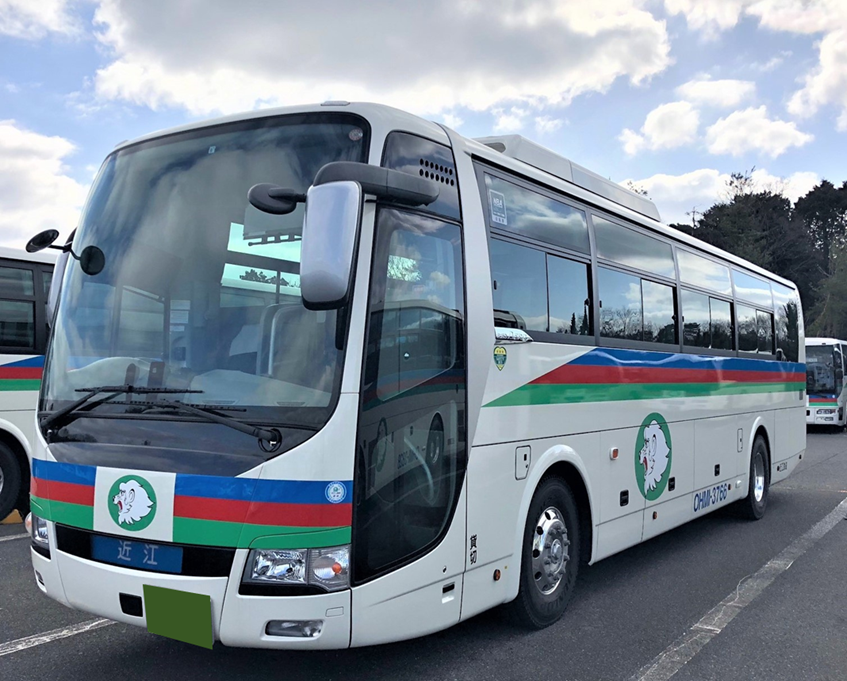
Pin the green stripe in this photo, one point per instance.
(75, 515)
(221, 533)
(19, 384)
(619, 392)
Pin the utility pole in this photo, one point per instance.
(694, 213)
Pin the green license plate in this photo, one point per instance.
(179, 615)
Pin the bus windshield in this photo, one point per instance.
(200, 291)
(820, 369)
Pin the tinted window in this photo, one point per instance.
(628, 247)
(46, 278)
(620, 304)
(16, 282)
(659, 322)
(721, 327)
(695, 320)
(765, 331)
(787, 321)
(752, 289)
(534, 215)
(17, 324)
(568, 296)
(411, 436)
(748, 335)
(520, 286)
(703, 272)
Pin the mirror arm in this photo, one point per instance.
(384, 183)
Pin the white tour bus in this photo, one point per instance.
(334, 375)
(24, 285)
(825, 389)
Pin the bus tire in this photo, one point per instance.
(10, 481)
(549, 556)
(754, 506)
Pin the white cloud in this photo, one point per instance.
(35, 191)
(718, 93)
(676, 195)
(752, 130)
(665, 127)
(452, 120)
(544, 125)
(33, 19)
(427, 58)
(827, 84)
(509, 121)
(710, 16)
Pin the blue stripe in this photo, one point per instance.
(665, 360)
(63, 472)
(37, 361)
(248, 489)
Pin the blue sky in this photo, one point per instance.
(671, 94)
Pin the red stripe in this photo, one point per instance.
(63, 491)
(830, 400)
(21, 372)
(570, 373)
(263, 513)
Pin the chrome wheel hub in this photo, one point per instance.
(550, 553)
(1, 482)
(758, 479)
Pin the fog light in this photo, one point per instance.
(294, 628)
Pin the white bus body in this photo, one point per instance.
(631, 384)
(24, 284)
(826, 393)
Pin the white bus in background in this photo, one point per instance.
(24, 285)
(414, 377)
(825, 389)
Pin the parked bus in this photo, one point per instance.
(333, 376)
(24, 284)
(825, 393)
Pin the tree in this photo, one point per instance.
(824, 212)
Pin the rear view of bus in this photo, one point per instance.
(825, 389)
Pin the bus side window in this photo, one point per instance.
(17, 309)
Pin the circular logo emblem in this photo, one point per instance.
(500, 357)
(335, 492)
(132, 503)
(653, 454)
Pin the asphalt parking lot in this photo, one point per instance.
(718, 598)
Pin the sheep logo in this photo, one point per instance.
(132, 503)
(653, 456)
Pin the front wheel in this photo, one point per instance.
(550, 556)
(753, 507)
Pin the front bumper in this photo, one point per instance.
(817, 416)
(237, 620)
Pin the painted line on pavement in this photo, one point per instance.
(48, 636)
(14, 536)
(682, 651)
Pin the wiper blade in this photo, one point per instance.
(115, 390)
(269, 438)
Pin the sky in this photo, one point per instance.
(672, 95)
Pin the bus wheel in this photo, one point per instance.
(10, 481)
(753, 507)
(550, 556)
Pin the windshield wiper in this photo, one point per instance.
(115, 390)
(269, 438)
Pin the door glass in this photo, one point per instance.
(411, 426)
(520, 286)
(568, 295)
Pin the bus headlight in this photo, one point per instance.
(326, 568)
(37, 529)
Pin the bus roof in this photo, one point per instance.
(511, 152)
(47, 257)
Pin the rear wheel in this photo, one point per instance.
(753, 507)
(10, 481)
(549, 557)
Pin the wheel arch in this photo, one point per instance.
(760, 427)
(14, 439)
(563, 462)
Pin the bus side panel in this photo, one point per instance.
(498, 501)
(719, 450)
(673, 508)
(788, 443)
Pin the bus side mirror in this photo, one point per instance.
(330, 233)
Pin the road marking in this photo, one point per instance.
(14, 536)
(682, 651)
(48, 636)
